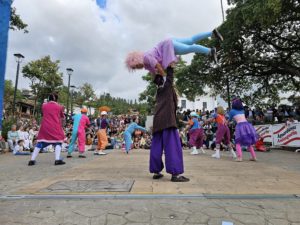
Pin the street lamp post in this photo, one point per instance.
(19, 57)
(72, 96)
(69, 71)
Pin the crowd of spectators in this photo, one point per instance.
(22, 136)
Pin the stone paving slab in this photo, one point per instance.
(208, 175)
(151, 212)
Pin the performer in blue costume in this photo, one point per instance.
(81, 122)
(129, 131)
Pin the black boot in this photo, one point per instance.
(217, 35)
(179, 179)
(31, 163)
(59, 162)
(157, 176)
(213, 55)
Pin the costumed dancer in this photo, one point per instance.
(196, 134)
(164, 54)
(51, 131)
(129, 131)
(223, 133)
(81, 122)
(245, 134)
(103, 124)
(165, 133)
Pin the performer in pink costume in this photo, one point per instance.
(81, 122)
(51, 131)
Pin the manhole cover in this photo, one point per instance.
(90, 186)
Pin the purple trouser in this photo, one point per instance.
(223, 132)
(168, 141)
(196, 138)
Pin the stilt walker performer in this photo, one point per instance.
(81, 122)
(51, 131)
(165, 134)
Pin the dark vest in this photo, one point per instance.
(166, 105)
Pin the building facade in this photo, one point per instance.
(202, 103)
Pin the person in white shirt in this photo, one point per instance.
(19, 149)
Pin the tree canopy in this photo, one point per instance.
(44, 76)
(260, 55)
(16, 23)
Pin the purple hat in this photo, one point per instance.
(237, 104)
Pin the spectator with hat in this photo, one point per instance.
(103, 125)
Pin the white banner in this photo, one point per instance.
(264, 131)
(286, 135)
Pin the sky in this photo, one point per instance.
(94, 42)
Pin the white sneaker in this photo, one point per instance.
(233, 153)
(195, 152)
(217, 154)
(202, 150)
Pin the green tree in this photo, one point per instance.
(44, 76)
(148, 95)
(9, 90)
(259, 56)
(16, 23)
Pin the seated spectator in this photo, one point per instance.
(12, 137)
(2, 144)
(291, 120)
(19, 149)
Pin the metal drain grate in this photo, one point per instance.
(86, 186)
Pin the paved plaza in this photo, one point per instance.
(118, 189)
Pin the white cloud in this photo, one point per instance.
(73, 32)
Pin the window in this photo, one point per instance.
(204, 105)
(183, 104)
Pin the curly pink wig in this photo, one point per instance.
(133, 59)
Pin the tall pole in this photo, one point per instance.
(16, 89)
(228, 92)
(72, 98)
(19, 58)
(222, 8)
(227, 77)
(69, 71)
(68, 95)
(4, 27)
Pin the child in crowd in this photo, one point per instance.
(19, 149)
(245, 134)
(2, 143)
(164, 54)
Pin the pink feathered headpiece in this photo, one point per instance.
(133, 59)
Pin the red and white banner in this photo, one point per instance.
(286, 135)
(264, 131)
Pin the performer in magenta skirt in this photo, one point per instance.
(245, 134)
